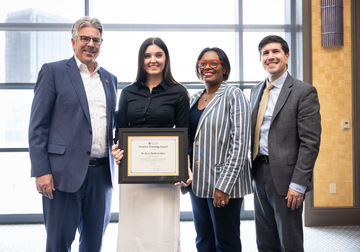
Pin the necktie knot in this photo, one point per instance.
(270, 86)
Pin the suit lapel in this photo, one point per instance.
(195, 98)
(76, 81)
(283, 96)
(256, 94)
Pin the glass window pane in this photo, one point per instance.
(15, 108)
(25, 52)
(165, 12)
(185, 202)
(18, 192)
(119, 52)
(115, 197)
(264, 12)
(41, 11)
(2, 56)
(247, 92)
(253, 69)
(249, 202)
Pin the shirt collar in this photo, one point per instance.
(83, 68)
(161, 84)
(279, 82)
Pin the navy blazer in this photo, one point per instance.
(60, 132)
(294, 133)
(221, 145)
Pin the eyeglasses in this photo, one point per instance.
(212, 63)
(86, 40)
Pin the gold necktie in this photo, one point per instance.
(260, 118)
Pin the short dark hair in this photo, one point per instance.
(141, 73)
(222, 56)
(274, 39)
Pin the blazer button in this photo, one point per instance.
(197, 162)
(197, 144)
(90, 132)
(88, 152)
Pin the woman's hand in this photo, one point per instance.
(188, 182)
(221, 199)
(117, 153)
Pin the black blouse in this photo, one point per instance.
(167, 106)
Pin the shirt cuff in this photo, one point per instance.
(298, 188)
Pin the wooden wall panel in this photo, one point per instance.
(332, 78)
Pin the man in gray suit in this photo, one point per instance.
(285, 139)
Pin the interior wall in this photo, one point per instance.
(331, 75)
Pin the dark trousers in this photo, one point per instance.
(278, 228)
(87, 210)
(217, 229)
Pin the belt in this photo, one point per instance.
(99, 161)
(264, 159)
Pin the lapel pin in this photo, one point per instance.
(106, 81)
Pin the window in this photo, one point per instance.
(39, 31)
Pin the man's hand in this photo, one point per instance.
(294, 199)
(45, 185)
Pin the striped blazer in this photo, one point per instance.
(221, 145)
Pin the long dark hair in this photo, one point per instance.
(141, 73)
(222, 56)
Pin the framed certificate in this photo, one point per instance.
(153, 155)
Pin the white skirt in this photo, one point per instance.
(149, 218)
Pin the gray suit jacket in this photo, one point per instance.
(294, 134)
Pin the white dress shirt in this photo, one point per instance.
(97, 108)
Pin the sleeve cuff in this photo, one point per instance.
(298, 188)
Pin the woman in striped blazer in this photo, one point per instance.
(220, 138)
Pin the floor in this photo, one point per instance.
(28, 238)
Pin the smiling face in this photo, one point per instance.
(87, 53)
(274, 60)
(212, 76)
(154, 60)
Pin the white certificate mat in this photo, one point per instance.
(153, 156)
